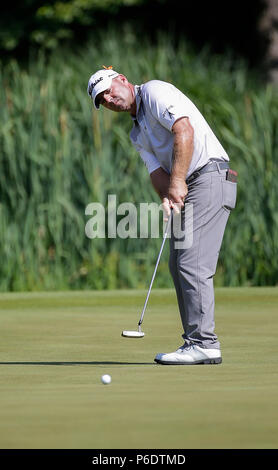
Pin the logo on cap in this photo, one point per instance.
(92, 86)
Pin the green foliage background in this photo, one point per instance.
(57, 155)
(46, 24)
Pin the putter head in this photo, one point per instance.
(133, 334)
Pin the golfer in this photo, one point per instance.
(187, 165)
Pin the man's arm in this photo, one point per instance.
(160, 180)
(172, 188)
(182, 155)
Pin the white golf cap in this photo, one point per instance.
(100, 81)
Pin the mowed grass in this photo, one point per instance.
(55, 346)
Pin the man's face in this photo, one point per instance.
(119, 97)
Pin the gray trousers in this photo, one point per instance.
(212, 197)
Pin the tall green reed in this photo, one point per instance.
(57, 155)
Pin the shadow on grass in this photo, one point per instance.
(66, 363)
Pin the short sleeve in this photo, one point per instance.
(150, 161)
(166, 103)
(144, 150)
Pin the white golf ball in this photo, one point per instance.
(106, 379)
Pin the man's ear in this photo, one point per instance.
(122, 78)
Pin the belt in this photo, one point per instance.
(213, 165)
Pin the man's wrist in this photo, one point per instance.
(177, 178)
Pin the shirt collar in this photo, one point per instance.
(137, 91)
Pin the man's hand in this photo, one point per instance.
(177, 193)
(166, 208)
(167, 205)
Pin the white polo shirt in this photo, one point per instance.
(159, 104)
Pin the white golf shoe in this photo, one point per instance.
(190, 355)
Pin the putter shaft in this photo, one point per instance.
(155, 269)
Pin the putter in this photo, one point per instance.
(140, 333)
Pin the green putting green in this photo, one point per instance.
(55, 347)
